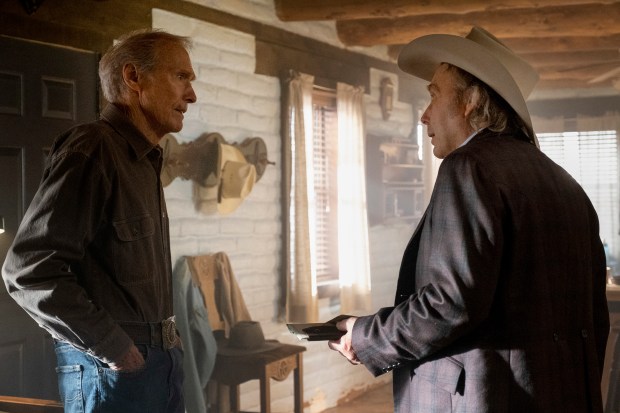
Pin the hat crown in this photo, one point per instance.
(246, 335)
(523, 74)
(237, 178)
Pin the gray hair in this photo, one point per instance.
(490, 110)
(138, 48)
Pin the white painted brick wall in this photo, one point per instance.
(238, 104)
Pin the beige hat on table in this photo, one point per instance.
(480, 54)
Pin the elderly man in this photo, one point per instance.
(91, 260)
(500, 303)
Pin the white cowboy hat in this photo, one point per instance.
(480, 54)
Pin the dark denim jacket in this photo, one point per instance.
(94, 246)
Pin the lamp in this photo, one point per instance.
(386, 98)
(1, 224)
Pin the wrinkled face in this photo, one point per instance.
(166, 92)
(444, 117)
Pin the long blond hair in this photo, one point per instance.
(490, 109)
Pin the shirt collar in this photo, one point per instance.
(123, 125)
(470, 137)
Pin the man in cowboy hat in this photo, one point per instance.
(500, 303)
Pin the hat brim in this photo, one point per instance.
(255, 151)
(224, 348)
(422, 56)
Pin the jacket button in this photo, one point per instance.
(584, 333)
(556, 336)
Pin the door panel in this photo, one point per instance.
(44, 90)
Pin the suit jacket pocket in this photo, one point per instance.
(444, 373)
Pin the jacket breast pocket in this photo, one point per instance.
(445, 373)
(134, 251)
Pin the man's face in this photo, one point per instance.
(166, 92)
(444, 117)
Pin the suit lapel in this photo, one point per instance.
(406, 276)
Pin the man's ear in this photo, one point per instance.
(473, 96)
(130, 77)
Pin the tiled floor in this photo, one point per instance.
(377, 400)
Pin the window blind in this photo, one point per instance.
(325, 135)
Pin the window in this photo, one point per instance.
(592, 159)
(325, 203)
(324, 179)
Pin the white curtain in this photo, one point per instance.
(353, 251)
(301, 299)
(301, 304)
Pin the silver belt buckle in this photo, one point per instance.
(169, 333)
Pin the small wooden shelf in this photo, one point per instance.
(394, 176)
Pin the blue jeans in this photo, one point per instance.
(89, 386)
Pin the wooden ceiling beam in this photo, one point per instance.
(523, 45)
(578, 66)
(577, 74)
(581, 20)
(563, 44)
(564, 83)
(303, 10)
(572, 59)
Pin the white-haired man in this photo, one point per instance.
(91, 260)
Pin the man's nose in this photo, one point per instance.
(191, 95)
(425, 118)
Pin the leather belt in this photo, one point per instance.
(162, 334)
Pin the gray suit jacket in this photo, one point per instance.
(500, 304)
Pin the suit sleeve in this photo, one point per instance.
(458, 263)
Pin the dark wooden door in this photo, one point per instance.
(44, 90)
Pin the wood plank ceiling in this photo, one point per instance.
(573, 44)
